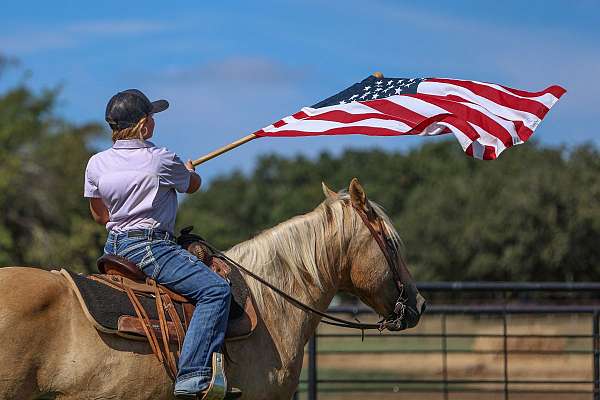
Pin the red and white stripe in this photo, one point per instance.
(485, 118)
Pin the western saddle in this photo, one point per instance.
(174, 311)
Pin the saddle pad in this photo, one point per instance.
(239, 294)
(111, 311)
(105, 305)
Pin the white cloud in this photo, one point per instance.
(244, 70)
(74, 34)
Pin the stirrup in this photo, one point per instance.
(217, 389)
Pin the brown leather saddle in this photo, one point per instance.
(120, 271)
(159, 315)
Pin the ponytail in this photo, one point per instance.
(133, 132)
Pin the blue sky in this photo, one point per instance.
(231, 67)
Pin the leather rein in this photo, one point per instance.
(392, 322)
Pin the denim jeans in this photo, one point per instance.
(177, 269)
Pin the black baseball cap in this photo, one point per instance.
(126, 108)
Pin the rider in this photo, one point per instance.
(131, 188)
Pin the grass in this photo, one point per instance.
(389, 344)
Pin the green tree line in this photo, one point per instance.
(534, 214)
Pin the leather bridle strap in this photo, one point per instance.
(397, 317)
(383, 245)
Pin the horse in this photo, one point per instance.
(51, 351)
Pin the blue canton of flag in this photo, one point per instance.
(372, 88)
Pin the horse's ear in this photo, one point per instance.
(330, 194)
(358, 195)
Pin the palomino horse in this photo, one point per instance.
(50, 350)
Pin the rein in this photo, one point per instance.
(328, 318)
(394, 320)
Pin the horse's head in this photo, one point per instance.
(375, 270)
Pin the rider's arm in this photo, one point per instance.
(90, 190)
(99, 211)
(195, 180)
(176, 174)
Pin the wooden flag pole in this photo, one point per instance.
(243, 140)
(224, 149)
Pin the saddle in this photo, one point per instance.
(121, 300)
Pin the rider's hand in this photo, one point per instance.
(189, 165)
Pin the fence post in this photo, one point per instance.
(596, 344)
(312, 367)
(505, 349)
(445, 355)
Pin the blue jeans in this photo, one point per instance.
(170, 265)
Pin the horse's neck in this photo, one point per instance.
(289, 326)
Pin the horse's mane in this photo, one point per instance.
(293, 255)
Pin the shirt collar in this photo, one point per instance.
(132, 144)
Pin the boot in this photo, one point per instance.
(217, 389)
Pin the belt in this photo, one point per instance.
(150, 234)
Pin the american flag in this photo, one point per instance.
(485, 118)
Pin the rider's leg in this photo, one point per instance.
(182, 272)
(206, 332)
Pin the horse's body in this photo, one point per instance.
(50, 350)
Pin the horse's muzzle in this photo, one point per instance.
(413, 314)
(406, 314)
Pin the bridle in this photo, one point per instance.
(390, 252)
(395, 321)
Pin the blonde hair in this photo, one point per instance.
(133, 132)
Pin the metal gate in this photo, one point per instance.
(573, 306)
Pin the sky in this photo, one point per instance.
(229, 68)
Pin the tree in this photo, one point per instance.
(44, 220)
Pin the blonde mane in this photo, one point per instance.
(297, 253)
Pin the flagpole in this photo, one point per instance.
(243, 140)
(224, 149)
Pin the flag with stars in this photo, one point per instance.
(485, 118)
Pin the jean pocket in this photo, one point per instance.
(132, 249)
(184, 253)
(148, 264)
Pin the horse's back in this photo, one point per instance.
(28, 291)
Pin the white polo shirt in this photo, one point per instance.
(137, 182)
